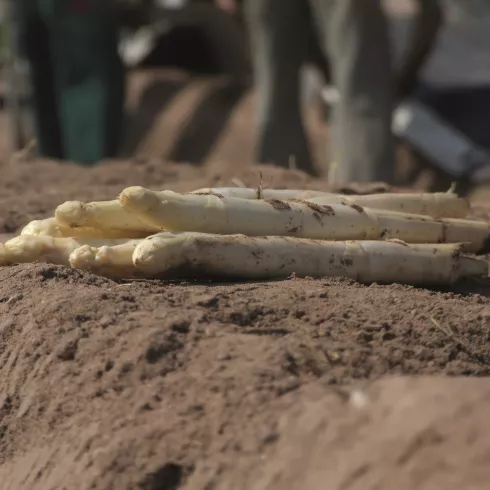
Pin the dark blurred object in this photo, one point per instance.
(349, 42)
(465, 108)
(456, 80)
(77, 76)
(197, 36)
(15, 91)
(447, 122)
(347, 38)
(426, 27)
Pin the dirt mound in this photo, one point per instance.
(110, 385)
(421, 433)
(159, 386)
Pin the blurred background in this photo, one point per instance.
(190, 94)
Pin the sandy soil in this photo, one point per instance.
(159, 386)
(162, 386)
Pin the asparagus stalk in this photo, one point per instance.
(110, 261)
(39, 248)
(102, 215)
(51, 227)
(437, 205)
(250, 193)
(241, 257)
(227, 216)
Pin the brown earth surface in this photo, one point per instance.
(157, 386)
(289, 384)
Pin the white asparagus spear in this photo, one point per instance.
(250, 193)
(38, 248)
(47, 227)
(103, 215)
(242, 257)
(111, 261)
(228, 216)
(51, 227)
(437, 205)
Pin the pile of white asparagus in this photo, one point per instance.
(245, 234)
